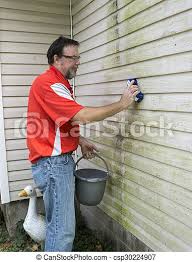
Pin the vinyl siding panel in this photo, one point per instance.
(26, 31)
(58, 7)
(149, 189)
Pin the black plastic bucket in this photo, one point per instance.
(90, 184)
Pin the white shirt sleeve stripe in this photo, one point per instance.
(61, 90)
(59, 85)
(57, 144)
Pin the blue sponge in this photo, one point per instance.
(139, 97)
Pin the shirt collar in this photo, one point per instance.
(58, 73)
(61, 77)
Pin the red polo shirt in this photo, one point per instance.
(51, 106)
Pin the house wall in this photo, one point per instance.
(149, 190)
(26, 30)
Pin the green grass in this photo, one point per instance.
(20, 242)
(85, 240)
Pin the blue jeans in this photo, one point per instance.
(54, 178)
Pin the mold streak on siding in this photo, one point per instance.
(27, 28)
(148, 147)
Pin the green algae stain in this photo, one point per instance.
(113, 6)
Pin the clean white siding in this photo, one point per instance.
(149, 192)
(27, 28)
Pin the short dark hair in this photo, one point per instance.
(56, 48)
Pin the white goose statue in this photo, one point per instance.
(34, 223)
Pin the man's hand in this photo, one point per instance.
(87, 148)
(129, 94)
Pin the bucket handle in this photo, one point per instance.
(96, 156)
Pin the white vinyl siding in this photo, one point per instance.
(149, 191)
(27, 28)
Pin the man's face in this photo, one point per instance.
(69, 62)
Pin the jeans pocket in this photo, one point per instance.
(65, 159)
(60, 161)
(39, 177)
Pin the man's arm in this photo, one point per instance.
(91, 114)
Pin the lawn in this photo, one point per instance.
(85, 240)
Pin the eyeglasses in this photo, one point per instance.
(75, 58)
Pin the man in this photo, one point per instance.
(52, 117)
